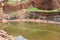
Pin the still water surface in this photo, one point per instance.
(33, 31)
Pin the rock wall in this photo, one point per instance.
(46, 4)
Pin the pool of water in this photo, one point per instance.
(33, 31)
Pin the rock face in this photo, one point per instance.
(5, 36)
(40, 4)
(46, 4)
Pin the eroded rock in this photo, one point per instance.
(4, 36)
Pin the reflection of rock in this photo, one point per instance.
(5, 36)
(33, 15)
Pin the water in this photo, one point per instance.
(32, 31)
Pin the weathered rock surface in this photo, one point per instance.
(46, 4)
(5, 36)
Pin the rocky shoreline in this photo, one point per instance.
(4, 36)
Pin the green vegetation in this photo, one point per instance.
(24, 1)
(33, 31)
(12, 2)
(15, 1)
(14, 13)
(39, 10)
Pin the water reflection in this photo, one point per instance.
(32, 31)
(13, 28)
(16, 28)
(3, 25)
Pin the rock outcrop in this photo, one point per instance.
(5, 36)
(46, 4)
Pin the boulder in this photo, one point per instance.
(4, 36)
